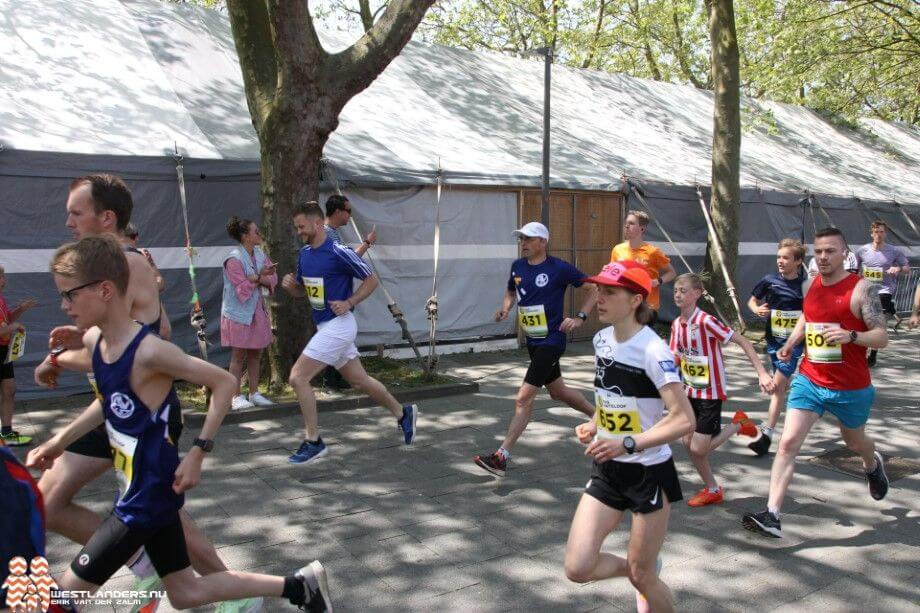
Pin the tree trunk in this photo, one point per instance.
(725, 201)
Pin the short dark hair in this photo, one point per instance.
(310, 209)
(825, 232)
(335, 202)
(109, 193)
(237, 227)
(878, 223)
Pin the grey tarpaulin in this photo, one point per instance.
(109, 85)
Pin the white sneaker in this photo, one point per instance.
(241, 402)
(259, 400)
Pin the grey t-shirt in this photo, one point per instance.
(874, 264)
(332, 232)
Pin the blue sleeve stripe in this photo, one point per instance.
(358, 267)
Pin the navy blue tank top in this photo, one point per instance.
(144, 456)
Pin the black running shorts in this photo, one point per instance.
(95, 443)
(708, 415)
(6, 368)
(544, 364)
(637, 487)
(887, 304)
(115, 542)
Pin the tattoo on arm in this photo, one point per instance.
(871, 308)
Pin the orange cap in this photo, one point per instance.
(628, 274)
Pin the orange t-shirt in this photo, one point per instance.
(651, 257)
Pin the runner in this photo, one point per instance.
(656, 263)
(915, 311)
(539, 282)
(881, 263)
(102, 204)
(628, 439)
(778, 298)
(842, 315)
(10, 328)
(696, 342)
(325, 271)
(135, 371)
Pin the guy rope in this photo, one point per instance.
(197, 319)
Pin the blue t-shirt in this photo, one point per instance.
(780, 294)
(326, 274)
(540, 293)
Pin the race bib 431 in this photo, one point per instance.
(533, 320)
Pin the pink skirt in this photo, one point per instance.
(257, 335)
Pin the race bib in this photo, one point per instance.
(123, 448)
(615, 415)
(782, 322)
(315, 292)
(876, 274)
(17, 347)
(533, 321)
(695, 369)
(818, 349)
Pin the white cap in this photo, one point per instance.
(531, 230)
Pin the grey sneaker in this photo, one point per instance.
(764, 523)
(316, 585)
(878, 480)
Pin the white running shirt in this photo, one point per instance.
(626, 385)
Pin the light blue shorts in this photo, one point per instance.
(851, 407)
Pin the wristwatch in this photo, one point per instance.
(853, 336)
(53, 355)
(629, 444)
(205, 444)
(582, 315)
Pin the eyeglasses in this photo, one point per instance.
(68, 294)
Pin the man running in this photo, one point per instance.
(841, 317)
(102, 204)
(778, 297)
(325, 270)
(881, 263)
(539, 282)
(656, 263)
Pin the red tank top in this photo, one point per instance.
(847, 370)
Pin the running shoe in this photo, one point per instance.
(316, 586)
(240, 402)
(147, 589)
(761, 444)
(641, 601)
(747, 426)
(246, 605)
(14, 439)
(705, 497)
(407, 422)
(259, 400)
(764, 523)
(494, 463)
(307, 452)
(878, 480)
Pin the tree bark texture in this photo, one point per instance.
(295, 91)
(725, 201)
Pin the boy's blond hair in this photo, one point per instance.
(94, 258)
(642, 218)
(798, 249)
(692, 279)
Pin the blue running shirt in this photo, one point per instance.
(144, 456)
(540, 293)
(326, 274)
(784, 297)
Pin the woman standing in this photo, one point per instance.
(633, 470)
(249, 276)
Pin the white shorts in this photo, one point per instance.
(334, 341)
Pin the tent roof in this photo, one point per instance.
(133, 77)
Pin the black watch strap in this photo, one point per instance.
(206, 445)
(629, 444)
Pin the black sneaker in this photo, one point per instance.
(764, 523)
(873, 358)
(494, 463)
(878, 480)
(316, 585)
(761, 444)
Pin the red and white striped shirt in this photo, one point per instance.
(697, 343)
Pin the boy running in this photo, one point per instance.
(696, 342)
(9, 328)
(778, 297)
(135, 370)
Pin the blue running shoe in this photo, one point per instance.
(407, 423)
(307, 452)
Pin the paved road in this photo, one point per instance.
(423, 529)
